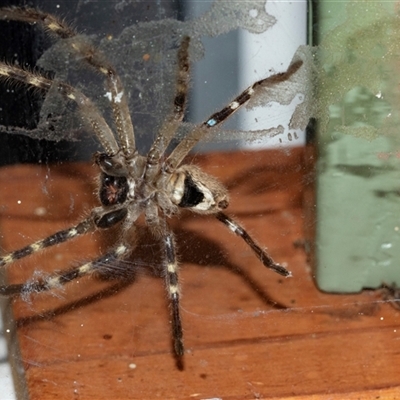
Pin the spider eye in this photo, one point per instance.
(113, 189)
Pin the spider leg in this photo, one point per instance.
(187, 144)
(89, 111)
(83, 227)
(169, 128)
(261, 254)
(98, 219)
(171, 280)
(95, 59)
(59, 279)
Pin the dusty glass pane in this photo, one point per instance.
(357, 244)
(115, 336)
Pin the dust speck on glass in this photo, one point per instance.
(145, 67)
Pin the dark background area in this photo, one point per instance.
(22, 42)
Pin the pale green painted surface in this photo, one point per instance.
(358, 180)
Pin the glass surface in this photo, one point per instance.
(245, 328)
(357, 225)
(248, 332)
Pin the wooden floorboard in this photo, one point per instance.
(249, 333)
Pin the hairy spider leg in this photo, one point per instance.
(95, 58)
(88, 110)
(186, 145)
(97, 220)
(59, 237)
(169, 128)
(172, 285)
(236, 228)
(59, 279)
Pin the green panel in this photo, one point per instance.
(358, 169)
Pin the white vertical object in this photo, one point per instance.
(267, 53)
(7, 391)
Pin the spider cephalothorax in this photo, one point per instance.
(156, 185)
(185, 187)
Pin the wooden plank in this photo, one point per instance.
(107, 339)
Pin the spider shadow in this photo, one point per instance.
(121, 276)
(217, 256)
(85, 301)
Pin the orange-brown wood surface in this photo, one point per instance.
(249, 333)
